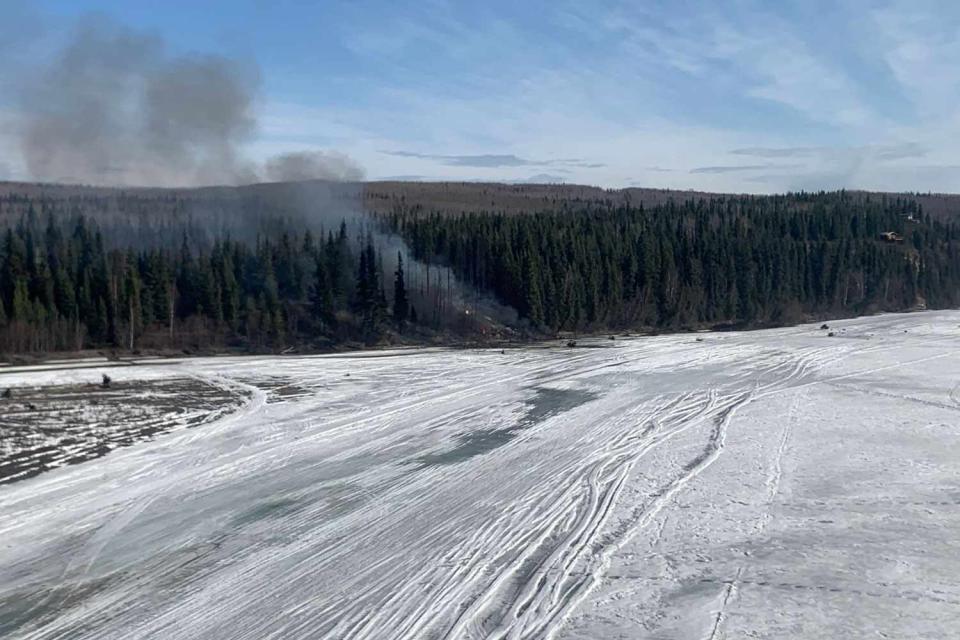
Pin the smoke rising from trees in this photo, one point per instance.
(312, 165)
(115, 107)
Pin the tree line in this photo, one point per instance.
(62, 288)
(67, 284)
(745, 261)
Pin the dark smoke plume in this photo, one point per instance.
(114, 107)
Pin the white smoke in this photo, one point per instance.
(312, 165)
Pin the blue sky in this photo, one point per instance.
(730, 96)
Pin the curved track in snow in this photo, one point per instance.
(652, 487)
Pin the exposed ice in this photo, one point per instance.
(773, 484)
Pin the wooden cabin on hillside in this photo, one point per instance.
(891, 236)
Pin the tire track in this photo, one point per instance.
(555, 589)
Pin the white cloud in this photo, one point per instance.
(738, 98)
(920, 43)
(739, 168)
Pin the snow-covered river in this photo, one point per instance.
(770, 484)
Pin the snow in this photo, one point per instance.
(779, 484)
(48, 426)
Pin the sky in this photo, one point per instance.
(732, 96)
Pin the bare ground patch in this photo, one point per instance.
(42, 428)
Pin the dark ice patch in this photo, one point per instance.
(265, 510)
(544, 404)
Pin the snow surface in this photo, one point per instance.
(774, 484)
(48, 426)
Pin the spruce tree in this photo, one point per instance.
(67, 282)
(401, 306)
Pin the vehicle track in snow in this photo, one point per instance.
(437, 495)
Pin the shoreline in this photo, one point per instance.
(93, 358)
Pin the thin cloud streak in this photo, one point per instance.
(605, 94)
(494, 160)
(752, 167)
(881, 152)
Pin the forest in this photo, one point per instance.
(414, 273)
(64, 290)
(742, 261)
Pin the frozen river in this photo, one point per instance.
(770, 484)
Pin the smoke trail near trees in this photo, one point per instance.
(312, 165)
(114, 107)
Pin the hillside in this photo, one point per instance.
(478, 197)
(317, 265)
(257, 202)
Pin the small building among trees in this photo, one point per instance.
(891, 236)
